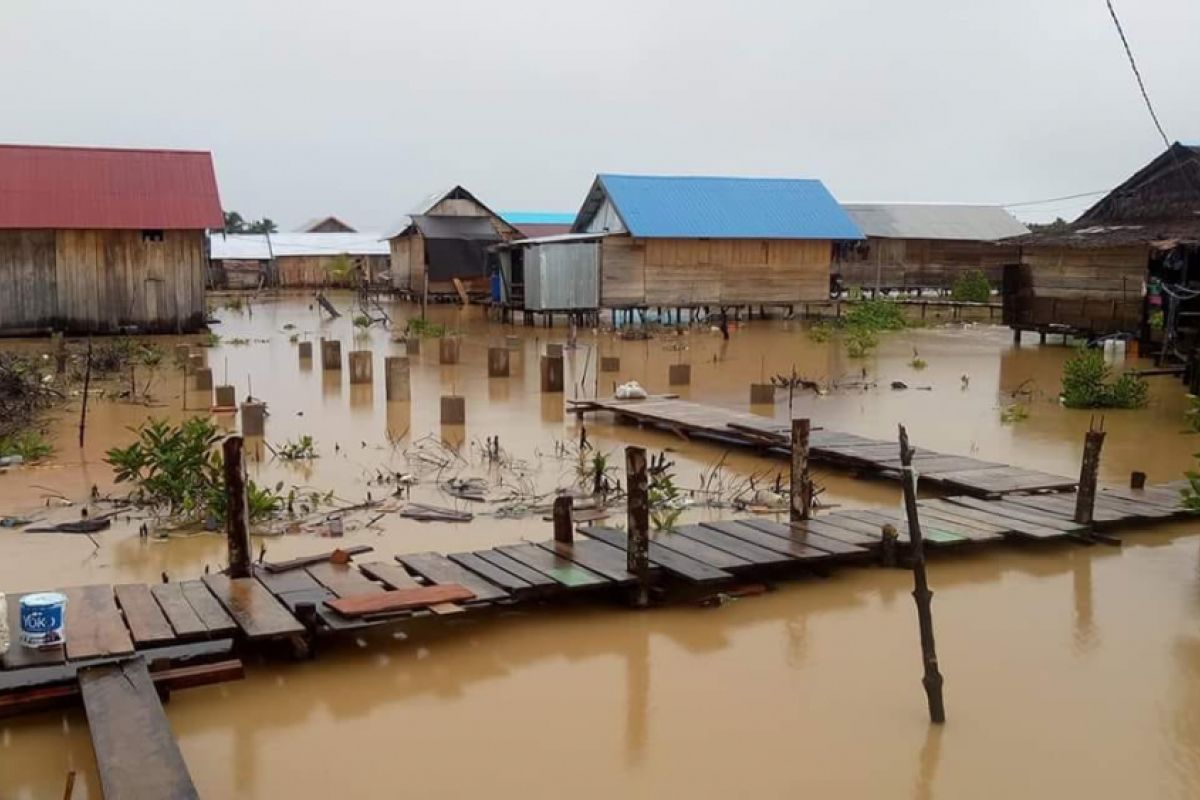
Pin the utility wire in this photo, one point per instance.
(1053, 199)
(1137, 74)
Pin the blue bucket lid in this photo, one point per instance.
(44, 599)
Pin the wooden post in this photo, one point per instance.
(1137, 480)
(60, 353)
(637, 545)
(563, 529)
(87, 383)
(237, 531)
(397, 386)
(1085, 497)
(801, 499)
(932, 679)
(887, 551)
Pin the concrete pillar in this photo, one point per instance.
(610, 363)
(554, 350)
(448, 350)
(195, 361)
(497, 362)
(397, 386)
(762, 394)
(454, 409)
(679, 374)
(552, 374)
(362, 367)
(183, 354)
(412, 345)
(254, 418)
(512, 342)
(226, 397)
(306, 351)
(204, 380)
(331, 354)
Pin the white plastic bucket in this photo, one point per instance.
(43, 619)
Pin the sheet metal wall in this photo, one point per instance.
(562, 276)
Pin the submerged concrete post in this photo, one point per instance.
(679, 374)
(1089, 469)
(254, 418)
(454, 409)
(1137, 480)
(397, 386)
(637, 543)
(448, 350)
(226, 398)
(237, 523)
(203, 379)
(331, 354)
(554, 350)
(762, 394)
(362, 367)
(563, 529)
(610, 363)
(497, 362)
(552, 374)
(305, 351)
(801, 490)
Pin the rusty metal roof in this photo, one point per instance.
(107, 188)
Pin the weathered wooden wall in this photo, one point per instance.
(694, 272)
(922, 263)
(408, 250)
(1091, 289)
(28, 280)
(313, 271)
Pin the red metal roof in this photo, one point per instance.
(94, 187)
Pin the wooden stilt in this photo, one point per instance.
(1137, 480)
(638, 522)
(1089, 469)
(801, 499)
(87, 383)
(563, 529)
(932, 679)
(237, 531)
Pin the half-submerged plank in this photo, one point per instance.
(179, 612)
(95, 627)
(399, 600)
(255, 610)
(211, 613)
(136, 754)
(18, 656)
(436, 568)
(146, 621)
(394, 576)
(679, 565)
(563, 570)
(748, 533)
(798, 532)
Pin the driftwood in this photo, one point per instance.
(304, 561)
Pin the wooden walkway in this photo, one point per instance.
(846, 450)
(112, 632)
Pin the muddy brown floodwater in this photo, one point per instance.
(1070, 671)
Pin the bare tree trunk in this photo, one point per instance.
(237, 529)
(638, 538)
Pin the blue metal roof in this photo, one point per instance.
(536, 218)
(725, 208)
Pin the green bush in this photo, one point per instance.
(971, 287)
(821, 332)
(1087, 383)
(30, 445)
(876, 315)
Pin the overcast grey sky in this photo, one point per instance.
(362, 107)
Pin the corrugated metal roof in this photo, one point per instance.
(520, 218)
(934, 221)
(556, 239)
(720, 208)
(254, 246)
(94, 187)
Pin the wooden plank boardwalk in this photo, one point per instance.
(845, 450)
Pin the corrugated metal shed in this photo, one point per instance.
(254, 246)
(84, 188)
(687, 207)
(934, 221)
(562, 275)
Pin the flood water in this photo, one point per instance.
(1070, 671)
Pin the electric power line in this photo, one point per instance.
(1053, 199)
(1137, 74)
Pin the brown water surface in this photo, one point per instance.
(1071, 671)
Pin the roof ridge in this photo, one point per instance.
(99, 148)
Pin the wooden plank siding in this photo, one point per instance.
(1090, 289)
(693, 272)
(410, 274)
(100, 281)
(922, 263)
(313, 271)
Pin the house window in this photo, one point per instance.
(153, 235)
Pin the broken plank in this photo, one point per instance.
(731, 544)
(179, 612)
(596, 556)
(344, 580)
(563, 570)
(399, 600)
(672, 562)
(786, 546)
(258, 614)
(436, 568)
(211, 613)
(304, 561)
(394, 576)
(136, 754)
(95, 627)
(146, 622)
(19, 656)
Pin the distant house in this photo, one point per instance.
(294, 260)
(1116, 268)
(328, 224)
(535, 224)
(918, 246)
(103, 240)
(446, 238)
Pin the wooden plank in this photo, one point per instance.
(136, 754)
(304, 561)
(1010, 524)
(344, 580)
(290, 582)
(1167, 499)
(211, 613)
(1007, 509)
(731, 544)
(954, 513)
(18, 656)
(798, 532)
(501, 575)
(838, 529)
(95, 627)
(563, 570)
(255, 610)
(669, 560)
(399, 600)
(976, 531)
(930, 531)
(749, 533)
(436, 568)
(179, 612)
(698, 551)
(536, 580)
(1066, 508)
(146, 622)
(390, 574)
(596, 556)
